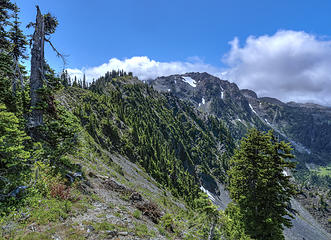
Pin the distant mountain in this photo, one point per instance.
(306, 126)
(212, 95)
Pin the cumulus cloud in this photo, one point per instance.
(289, 65)
(145, 68)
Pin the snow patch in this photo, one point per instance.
(222, 95)
(252, 109)
(266, 120)
(203, 101)
(175, 81)
(169, 89)
(210, 195)
(190, 81)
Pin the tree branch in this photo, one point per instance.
(58, 54)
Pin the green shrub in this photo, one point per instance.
(137, 214)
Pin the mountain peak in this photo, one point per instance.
(248, 93)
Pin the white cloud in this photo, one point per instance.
(289, 65)
(145, 68)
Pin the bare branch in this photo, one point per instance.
(31, 24)
(18, 71)
(58, 54)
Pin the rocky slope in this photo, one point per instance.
(212, 95)
(306, 126)
(142, 157)
(140, 160)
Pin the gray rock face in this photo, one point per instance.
(212, 95)
(248, 93)
(306, 126)
(305, 226)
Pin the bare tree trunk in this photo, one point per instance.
(13, 86)
(19, 74)
(14, 82)
(37, 70)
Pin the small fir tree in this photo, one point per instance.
(13, 156)
(259, 186)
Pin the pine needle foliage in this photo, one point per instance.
(259, 185)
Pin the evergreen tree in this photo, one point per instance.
(84, 82)
(80, 84)
(19, 43)
(113, 74)
(259, 187)
(6, 76)
(6, 61)
(65, 78)
(5, 8)
(13, 157)
(75, 84)
(17, 37)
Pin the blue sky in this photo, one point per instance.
(93, 32)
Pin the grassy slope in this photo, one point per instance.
(93, 210)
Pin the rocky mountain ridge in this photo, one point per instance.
(306, 126)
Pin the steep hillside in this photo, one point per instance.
(306, 126)
(162, 133)
(124, 116)
(108, 198)
(136, 162)
(118, 158)
(135, 166)
(212, 95)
